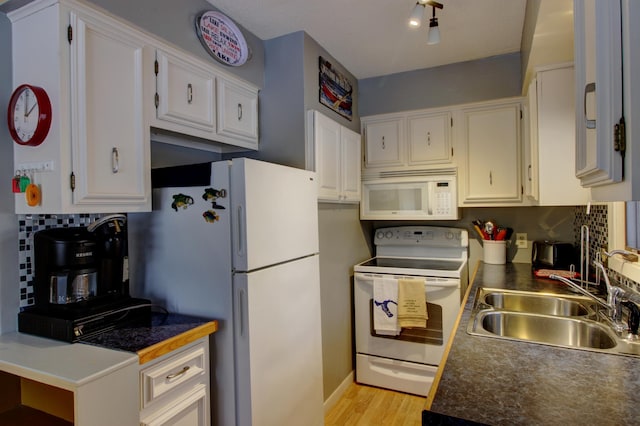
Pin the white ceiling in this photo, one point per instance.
(371, 37)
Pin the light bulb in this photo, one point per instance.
(434, 32)
(415, 20)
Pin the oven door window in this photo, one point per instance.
(432, 334)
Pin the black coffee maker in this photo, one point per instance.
(81, 281)
(81, 265)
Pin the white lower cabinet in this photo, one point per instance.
(174, 389)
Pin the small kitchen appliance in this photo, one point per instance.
(553, 255)
(81, 281)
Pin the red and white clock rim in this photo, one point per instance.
(44, 115)
(222, 38)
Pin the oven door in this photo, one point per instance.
(419, 345)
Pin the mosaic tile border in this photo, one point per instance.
(598, 223)
(27, 226)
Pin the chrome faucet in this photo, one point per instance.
(615, 296)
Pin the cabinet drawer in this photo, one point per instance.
(167, 375)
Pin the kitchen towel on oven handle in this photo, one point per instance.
(412, 303)
(385, 306)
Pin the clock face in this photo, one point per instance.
(29, 115)
(25, 115)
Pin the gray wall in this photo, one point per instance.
(9, 287)
(174, 21)
(473, 81)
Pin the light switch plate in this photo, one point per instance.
(521, 240)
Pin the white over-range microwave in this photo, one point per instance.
(431, 197)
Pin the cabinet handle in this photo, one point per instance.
(490, 178)
(428, 138)
(529, 172)
(189, 93)
(115, 161)
(239, 112)
(589, 88)
(383, 147)
(179, 373)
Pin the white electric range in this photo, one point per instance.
(408, 362)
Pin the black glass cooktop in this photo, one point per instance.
(429, 264)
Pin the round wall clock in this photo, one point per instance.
(222, 39)
(29, 115)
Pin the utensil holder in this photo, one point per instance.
(494, 252)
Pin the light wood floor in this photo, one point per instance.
(368, 406)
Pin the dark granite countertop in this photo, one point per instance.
(139, 338)
(500, 382)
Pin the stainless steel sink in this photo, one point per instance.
(565, 320)
(557, 331)
(537, 303)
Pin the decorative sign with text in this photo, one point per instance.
(222, 38)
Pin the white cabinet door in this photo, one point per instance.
(492, 137)
(383, 142)
(185, 93)
(190, 411)
(598, 97)
(328, 149)
(110, 139)
(553, 142)
(350, 165)
(237, 111)
(429, 138)
(336, 159)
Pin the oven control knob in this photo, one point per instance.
(449, 235)
(379, 235)
(388, 234)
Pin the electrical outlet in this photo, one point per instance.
(521, 240)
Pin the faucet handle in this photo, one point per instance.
(634, 317)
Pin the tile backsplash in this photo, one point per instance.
(27, 225)
(597, 222)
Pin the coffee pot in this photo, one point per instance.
(65, 266)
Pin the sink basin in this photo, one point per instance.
(565, 306)
(551, 330)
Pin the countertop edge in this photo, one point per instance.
(164, 347)
(436, 381)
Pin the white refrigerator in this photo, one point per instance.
(237, 241)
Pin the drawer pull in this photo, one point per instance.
(179, 373)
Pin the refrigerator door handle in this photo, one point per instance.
(240, 231)
(241, 303)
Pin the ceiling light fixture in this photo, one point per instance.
(415, 19)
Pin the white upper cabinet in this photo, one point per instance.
(492, 143)
(336, 159)
(429, 138)
(193, 98)
(109, 139)
(238, 111)
(383, 140)
(549, 174)
(414, 139)
(598, 96)
(185, 95)
(607, 97)
(97, 149)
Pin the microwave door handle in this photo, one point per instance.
(430, 198)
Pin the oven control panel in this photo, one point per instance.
(433, 236)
